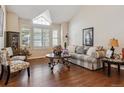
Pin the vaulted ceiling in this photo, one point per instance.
(59, 13)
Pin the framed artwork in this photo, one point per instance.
(88, 36)
(1, 22)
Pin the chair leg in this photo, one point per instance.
(8, 75)
(28, 71)
(2, 71)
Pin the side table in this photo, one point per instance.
(110, 61)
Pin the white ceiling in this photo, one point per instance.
(59, 13)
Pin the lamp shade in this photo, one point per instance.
(114, 42)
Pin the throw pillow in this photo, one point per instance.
(79, 50)
(91, 51)
(85, 49)
(100, 54)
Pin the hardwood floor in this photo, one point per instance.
(41, 76)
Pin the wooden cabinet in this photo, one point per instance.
(13, 40)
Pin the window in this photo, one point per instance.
(55, 37)
(37, 38)
(25, 37)
(45, 34)
(40, 38)
(43, 19)
(40, 20)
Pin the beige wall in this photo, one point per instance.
(12, 22)
(108, 22)
(25, 23)
(4, 27)
(39, 53)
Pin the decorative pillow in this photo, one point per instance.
(85, 49)
(71, 49)
(10, 51)
(79, 50)
(91, 51)
(100, 54)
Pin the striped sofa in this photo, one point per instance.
(87, 61)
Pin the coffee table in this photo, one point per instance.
(64, 59)
(110, 61)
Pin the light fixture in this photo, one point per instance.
(113, 43)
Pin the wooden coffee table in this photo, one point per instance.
(110, 61)
(64, 59)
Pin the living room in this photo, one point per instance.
(67, 26)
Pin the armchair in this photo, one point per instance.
(11, 66)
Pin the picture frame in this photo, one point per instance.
(1, 22)
(108, 53)
(88, 36)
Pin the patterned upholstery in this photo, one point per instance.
(100, 54)
(79, 50)
(10, 53)
(3, 57)
(90, 60)
(15, 65)
(18, 58)
(86, 61)
(18, 65)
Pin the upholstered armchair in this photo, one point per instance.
(18, 57)
(11, 66)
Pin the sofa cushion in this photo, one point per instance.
(18, 65)
(18, 58)
(83, 57)
(79, 50)
(76, 56)
(91, 51)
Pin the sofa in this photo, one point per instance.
(87, 57)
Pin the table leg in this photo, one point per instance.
(109, 69)
(51, 64)
(66, 62)
(103, 64)
(2, 71)
(119, 69)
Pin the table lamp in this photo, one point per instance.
(113, 43)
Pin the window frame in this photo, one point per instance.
(42, 42)
(56, 37)
(29, 30)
